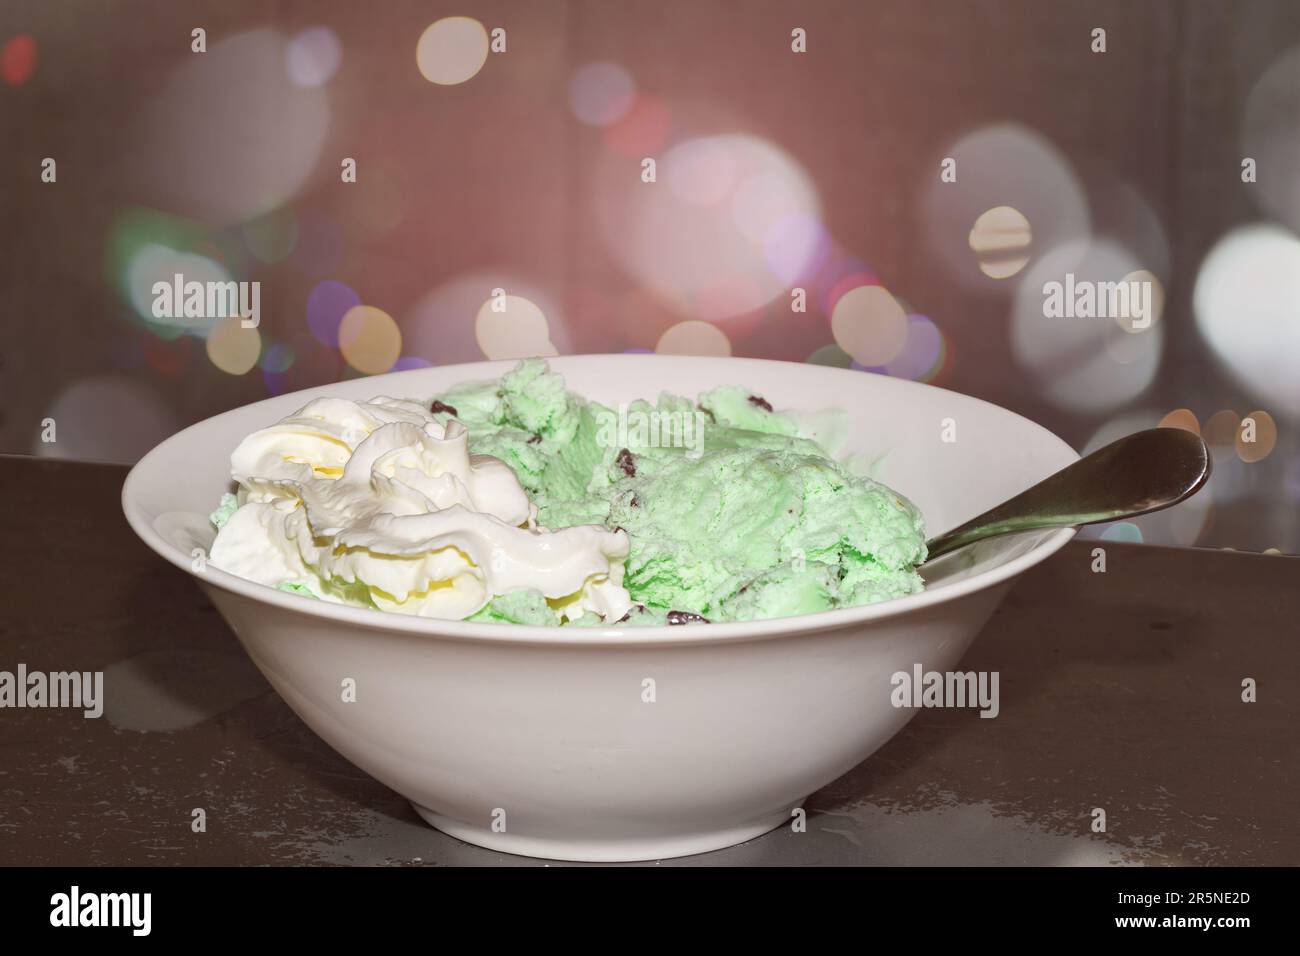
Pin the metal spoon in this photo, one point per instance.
(1144, 472)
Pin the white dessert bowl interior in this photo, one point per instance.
(624, 743)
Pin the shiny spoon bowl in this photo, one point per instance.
(1138, 474)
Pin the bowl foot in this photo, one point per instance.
(603, 851)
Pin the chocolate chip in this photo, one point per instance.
(636, 500)
(762, 403)
(535, 439)
(638, 608)
(438, 406)
(686, 617)
(624, 461)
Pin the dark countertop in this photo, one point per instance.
(1119, 690)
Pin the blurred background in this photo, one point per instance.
(501, 146)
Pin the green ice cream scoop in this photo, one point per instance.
(731, 514)
(751, 532)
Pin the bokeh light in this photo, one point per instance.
(701, 171)
(682, 249)
(452, 50)
(1082, 363)
(1186, 522)
(1232, 479)
(1002, 165)
(1131, 323)
(277, 383)
(312, 56)
(1183, 418)
(442, 325)
(1271, 136)
(845, 284)
(1122, 213)
(729, 296)
(869, 324)
(838, 274)
(229, 137)
(1125, 531)
(796, 247)
(155, 263)
(1220, 429)
(694, 337)
(277, 358)
(233, 348)
(369, 339)
(406, 363)
(143, 241)
(923, 351)
(1247, 305)
(107, 418)
(512, 326)
(18, 59)
(642, 130)
(601, 93)
(313, 364)
(327, 303)
(1262, 430)
(1001, 240)
(769, 196)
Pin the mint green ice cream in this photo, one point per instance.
(228, 506)
(731, 514)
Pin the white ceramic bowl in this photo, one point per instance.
(540, 741)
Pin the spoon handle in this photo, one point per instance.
(1143, 472)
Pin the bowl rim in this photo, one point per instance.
(611, 636)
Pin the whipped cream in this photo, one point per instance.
(378, 504)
